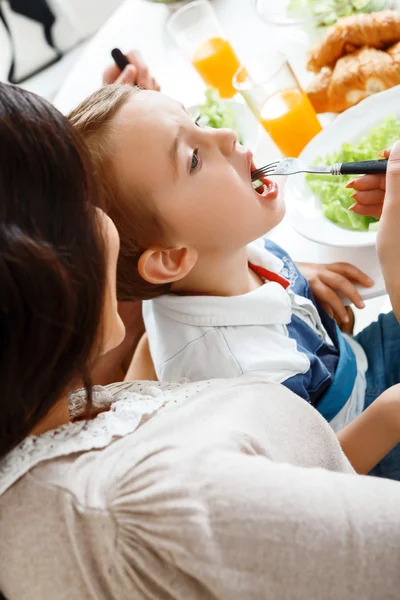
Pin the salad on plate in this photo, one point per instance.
(217, 113)
(327, 12)
(331, 191)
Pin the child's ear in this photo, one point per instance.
(161, 266)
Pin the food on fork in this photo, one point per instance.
(354, 77)
(376, 30)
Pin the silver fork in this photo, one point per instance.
(291, 166)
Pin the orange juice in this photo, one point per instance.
(216, 62)
(290, 119)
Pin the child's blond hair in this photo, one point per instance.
(132, 210)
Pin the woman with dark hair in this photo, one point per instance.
(212, 490)
(56, 251)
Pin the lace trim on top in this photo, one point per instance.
(132, 405)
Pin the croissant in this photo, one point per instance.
(394, 52)
(377, 30)
(355, 77)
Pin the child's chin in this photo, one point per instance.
(281, 212)
(277, 217)
(281, 207)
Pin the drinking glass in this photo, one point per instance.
(196, 30)
(276, 98)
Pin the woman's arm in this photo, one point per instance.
(239, 526)
(277, 531)
(369, 438)
(388, 238)
(379, 196)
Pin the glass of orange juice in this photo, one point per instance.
(279, 103)
(196, 30)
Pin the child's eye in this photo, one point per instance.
(197, 121)
(195, 160)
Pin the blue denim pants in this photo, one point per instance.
(381, 343)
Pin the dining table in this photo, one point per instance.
(141, 24)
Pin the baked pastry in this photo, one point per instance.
(376, 30)
(354, 77)
(394, 52)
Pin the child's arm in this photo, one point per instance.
(374, 433)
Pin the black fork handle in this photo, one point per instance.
(364, 167)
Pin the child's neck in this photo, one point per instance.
(220, 275)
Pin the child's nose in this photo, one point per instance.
(227, 140)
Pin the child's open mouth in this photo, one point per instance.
(266, 188)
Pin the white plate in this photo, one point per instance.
(247, 125)
(303, 208)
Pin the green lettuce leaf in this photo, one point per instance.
(328, 12)
(216, 113)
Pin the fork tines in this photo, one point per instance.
(264, 171)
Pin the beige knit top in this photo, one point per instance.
(230, 490)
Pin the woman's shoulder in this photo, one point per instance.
(161, 435)
(122, 407)
(188, 415)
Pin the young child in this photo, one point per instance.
(222, 300)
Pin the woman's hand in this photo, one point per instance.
(369, 193)
(328, 281)
(136, 73)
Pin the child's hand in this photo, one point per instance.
(369, 193)
(328, 281)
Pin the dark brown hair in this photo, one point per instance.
(132, 210)
(52, 271)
